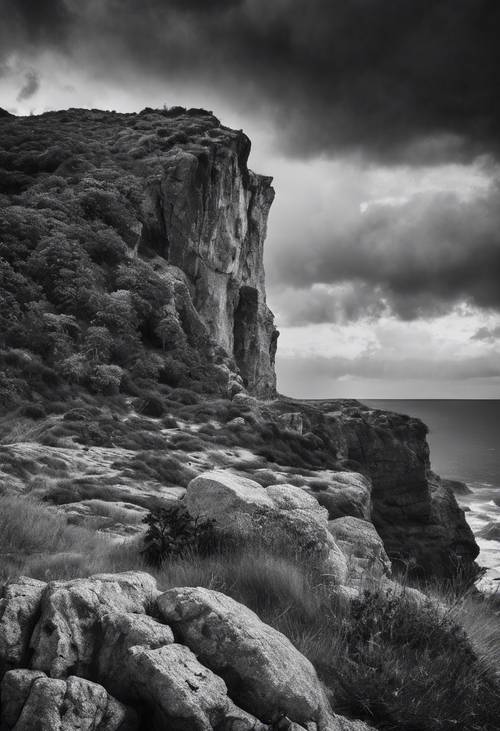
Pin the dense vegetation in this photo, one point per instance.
(80, 307)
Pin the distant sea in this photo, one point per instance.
(464, 439)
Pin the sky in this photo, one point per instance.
(380, 123)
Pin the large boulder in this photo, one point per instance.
(344, 493)
(33, 702)
(282, 517)
(67, 634)
(262, 669)
(177, 689)
(19, 607)
(360, 542)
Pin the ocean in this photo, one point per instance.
(464, 439)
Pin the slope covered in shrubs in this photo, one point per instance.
(80, 308)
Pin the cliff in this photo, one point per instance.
(154, 214)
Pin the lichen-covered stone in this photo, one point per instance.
(33, 702)
(67, 634)
(262, 669)
(19, 607)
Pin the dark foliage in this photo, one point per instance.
(172, 533)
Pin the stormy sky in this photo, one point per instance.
(380, 122)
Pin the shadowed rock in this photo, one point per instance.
(32, 701)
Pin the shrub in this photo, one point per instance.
(172, 532)
(107, 378)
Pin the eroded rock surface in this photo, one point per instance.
(281, 516)
(206, 214)
(19, 609)
(33, 702)
(262, 669)
(207, 662)
(67, 635)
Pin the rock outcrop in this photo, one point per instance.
(415, 514)
(262, 669)
(206, 214)
(198, 661)
(283, 517)
(30, 700)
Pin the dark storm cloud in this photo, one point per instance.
(30, 86)
(31, 24)
(411, 79)
(418, 258)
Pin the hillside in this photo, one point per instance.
(137, 388)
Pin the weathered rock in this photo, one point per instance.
(178, 691)
(67, 634)
(416, 516)
(207, 214)
(120, 632)
(33, 702)
(280, 516)
(19, 608)
(363, 547)
(346, 493)
(262, 669)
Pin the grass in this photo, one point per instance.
(394, 661)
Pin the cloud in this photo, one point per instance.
(418, 258)
(488, 334)
(30, 86)
(392, 81)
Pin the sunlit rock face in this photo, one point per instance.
(206, 213)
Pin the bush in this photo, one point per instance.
(107, 379)
(172, 532)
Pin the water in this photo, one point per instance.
(464, 438)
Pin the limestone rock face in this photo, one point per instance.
(206, 213)
(278, 515)
(67, 633)
(32, 701)
(19, 606)
(262, 669)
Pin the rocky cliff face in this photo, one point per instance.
(206, 213)
(414, 512)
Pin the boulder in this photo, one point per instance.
(360, 542)
(344, 493)
(283, 517)
(67, 634)
(19, 607)
(177, 690)
(33, 702)
(263, 671)
(120, 632)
